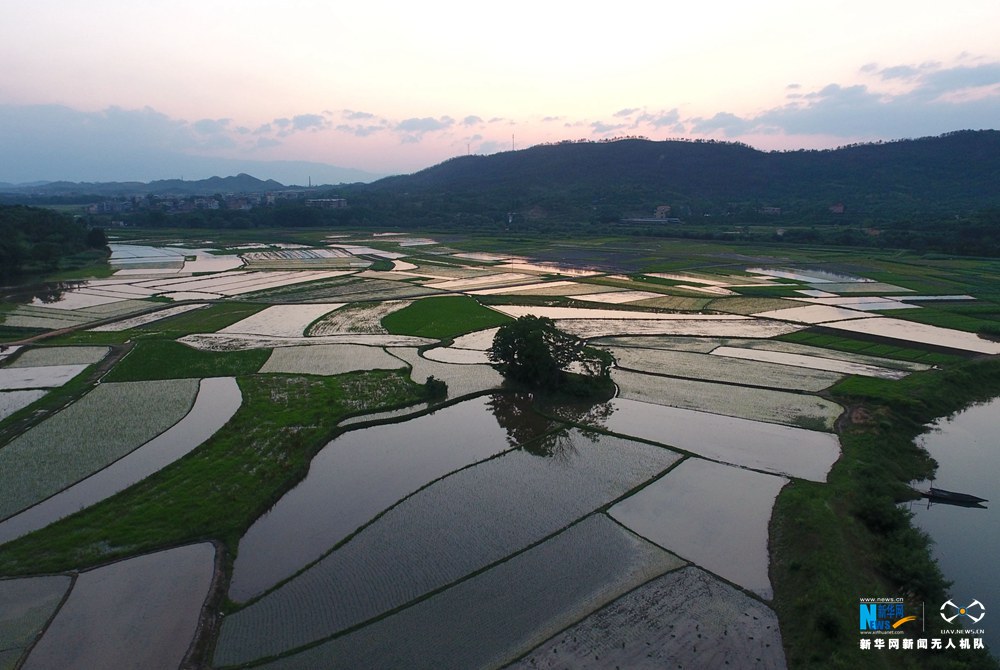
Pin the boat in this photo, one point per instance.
(941, 495)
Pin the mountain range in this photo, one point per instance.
(950, 174)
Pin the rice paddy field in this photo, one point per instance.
(253, 473)
(142, 612)
(791, 409)
(99, 428)
(720, 368)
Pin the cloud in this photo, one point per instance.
(413, 130)
(660, 119)
(212, 126)
(471, 120)
(309, 122)
(626, 112)
(601, 128)
(360, 130)
(424, 125)
(936, 99)
(356, 116)
(728, 124)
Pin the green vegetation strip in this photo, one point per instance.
(442, 317)
(869, 347)
(218, 490)
(164, 359)
(834, 543)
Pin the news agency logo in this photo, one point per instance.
(883, 617)
(974, 611)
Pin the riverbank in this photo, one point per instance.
(836, 542)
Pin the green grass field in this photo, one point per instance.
(166, 359)
(443, 318)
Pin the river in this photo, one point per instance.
(967, 539)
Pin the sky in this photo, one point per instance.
(123, 90)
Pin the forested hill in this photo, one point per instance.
(954, 174)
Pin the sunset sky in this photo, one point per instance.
(108, 89)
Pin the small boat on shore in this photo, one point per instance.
(951, 497)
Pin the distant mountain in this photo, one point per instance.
(950, 174)
(241, 183)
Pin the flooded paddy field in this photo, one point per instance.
(139, 613)
(684, 619)
(457, 526)
(505, 611)
(495, 528)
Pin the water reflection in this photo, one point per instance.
(364, 472)
(46, 293)
(965, 447)
(514, 413)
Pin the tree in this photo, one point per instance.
(96, 239)
(533, 351)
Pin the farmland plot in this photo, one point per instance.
(457, 356)
(49, 376)
(480, 282)
(244, 341)
(920, 333)
(26, 605)
(479, 340)
(281, 320)
(144, 319)
(684, 619)
(363, 290)
(820, 352)
(563, 287)
(356, 318)
(723, 369)
(28, 316)
(617, 297)
(733, 326)
(458, 525)
(809, 363)
(329, 359)
(44, 356)
(496, 616)
(751, 305)
(674, 302)
(217, 401)
(99, 428)
(138, 613)
(757, 404)
(290, 537)
(461, 379)
(770, 447)
(814, 314)
(666, 342)
(709, 513)
(12, 401)
(570, 313)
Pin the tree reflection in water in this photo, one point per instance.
(527, 428)
(46, 293)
